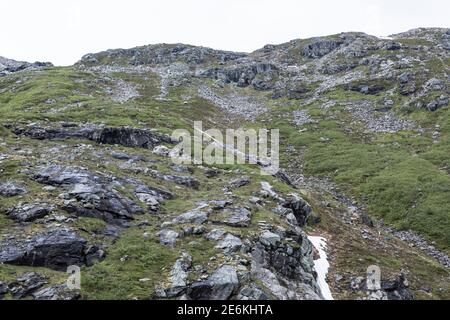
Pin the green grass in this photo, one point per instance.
(114, 279)
(412, 194)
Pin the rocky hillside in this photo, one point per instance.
(86, 178)
(8, 66)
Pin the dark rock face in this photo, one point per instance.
(237, 183)
(282, 176)
(30, 212)
(11, 189)
(94, 197)
(406, 84)
(397, 289)
(297, 91)
(438, 103)
(3, 289)
(367, 220)
(56, 249)
(287, 270)
(366, 88)
(128, 137)
(219, 286)
(285, 260)
(26, 284)
(252, 292)
(211, 173)
(259, 75)
(299, 207)
(57, 175)
(391, 45)
(320, 47)
(42, 133)
(106, 204)
(30, 285)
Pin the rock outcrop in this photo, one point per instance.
(8, 66)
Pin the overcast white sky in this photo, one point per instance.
(62, 31)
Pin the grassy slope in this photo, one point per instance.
(401, 177)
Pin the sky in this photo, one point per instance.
(63, 31)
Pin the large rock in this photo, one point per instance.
(234, 217)
(286, 270)
(195, 216)
(259, 75)
(56, 249)
(438, 103)
(26, 284)
(397, 289)
(11, 189)
(57, 175)
(366, 87)
(229, 243)
(219, 286)
(252, 292)
(30, 212)
(299, 207)
(56, 292)
(179, 276)
(240, 182)
(128, 137)
(182, 180)
(93, 194)
(270, 239)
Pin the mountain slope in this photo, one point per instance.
(364, 127)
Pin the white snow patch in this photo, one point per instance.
(321, 265)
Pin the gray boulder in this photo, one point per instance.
(252, 292)
(168, 237)
(438, 103)
(56, 249)
(30, 212)
(179, 276)
(235, 217)
(94, 195)
(11, 189)
(128, 137)
(195, 216)
(299, 207)
(229, 243)
(219, 286)
(270, 239)
(26, 284)
(56, 292)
